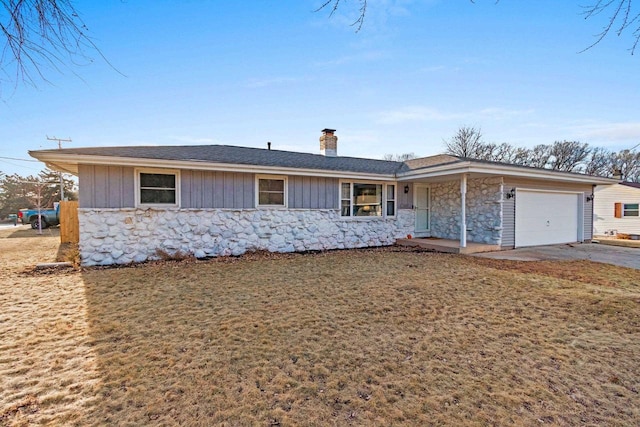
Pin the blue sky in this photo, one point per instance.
(244, 73)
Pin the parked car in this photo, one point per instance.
(10, 219)
(48, 217)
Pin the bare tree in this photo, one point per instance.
(399, 157)
(334, 4)
(627, 162)
(599, 162)
(485, 151)
(39, 35)
(621, 16)
(565, 156)
(521, 156)
(467, 142)
(539, 156)
(568, 156)
(504, 153)
(604, 163)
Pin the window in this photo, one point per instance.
(622, 210)
(631, 209)
(158, 187)
(391, 200)
(367, 199)
(271, 191)
(345, 199)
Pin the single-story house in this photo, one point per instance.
(137, 202)
(616, 209)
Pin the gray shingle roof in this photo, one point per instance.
(427, 162)
(230, 155)
(631, 184)
(243, 156)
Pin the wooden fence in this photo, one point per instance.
(69, 225)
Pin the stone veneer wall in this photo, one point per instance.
(122, 236)
(484, 210)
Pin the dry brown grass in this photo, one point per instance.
(368, 337)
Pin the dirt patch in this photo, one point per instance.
(363, 337)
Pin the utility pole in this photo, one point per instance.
(60, 141)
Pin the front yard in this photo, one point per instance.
(362, 338)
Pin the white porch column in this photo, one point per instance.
(463, 211)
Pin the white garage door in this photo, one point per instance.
(546, 218)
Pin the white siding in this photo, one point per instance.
(605, 198)
(508, 206)
(547, 217)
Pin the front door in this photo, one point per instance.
(422, 207)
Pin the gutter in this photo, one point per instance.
(514, 171)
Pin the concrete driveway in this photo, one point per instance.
(625, 257)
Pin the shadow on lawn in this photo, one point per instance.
(25, 231)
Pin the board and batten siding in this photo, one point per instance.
(606, 196)
(308, 192)
(217, 190)
(106, 186)
(405, 200)
(114, 187)
(509, 206)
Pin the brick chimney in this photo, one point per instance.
(328, 143)
(617, 174)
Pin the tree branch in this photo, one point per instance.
(621, 15)
(40, 34)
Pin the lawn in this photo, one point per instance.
(345, 338)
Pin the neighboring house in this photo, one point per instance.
(137, 202)
(616, 209)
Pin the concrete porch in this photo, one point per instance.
(447, 246)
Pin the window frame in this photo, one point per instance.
(157, 171)
(383, 201)
(625, 210)
(285, 195)
(394, 200)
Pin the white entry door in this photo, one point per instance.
(422, 207)
(546, 218)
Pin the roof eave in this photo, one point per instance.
(503, 170)
(69, 163)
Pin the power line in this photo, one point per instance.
(6, 162)
(22, 160)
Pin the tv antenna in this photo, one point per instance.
(60, 141)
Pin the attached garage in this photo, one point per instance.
(548, 217)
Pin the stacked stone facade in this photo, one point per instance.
(483, 213)
(122, 236)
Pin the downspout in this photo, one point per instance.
(463, 211)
